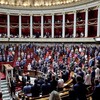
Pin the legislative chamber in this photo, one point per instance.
(49, 49)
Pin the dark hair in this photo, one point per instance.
(79, 79)
(35, 81)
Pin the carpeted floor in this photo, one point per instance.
(2, 76)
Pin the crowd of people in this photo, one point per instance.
(57, 62)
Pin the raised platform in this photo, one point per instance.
(51, 40)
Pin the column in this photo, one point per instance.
(86, 23)
(8, 25)
(98, 24)
(52, 25)
(74, 29)
(63, 26)
(42, 26)
(12, 73)
(31, 26)
(6, 74)
(20, 30)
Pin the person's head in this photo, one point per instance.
(46, 80)
(53, 77)
(96, 82)
(35, 81)
(27, 83)
(79, 79)
(54, 96)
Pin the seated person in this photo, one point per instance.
(27, 89)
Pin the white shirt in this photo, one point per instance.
(60, 83)
(97, 73)
(87, 79)
(29, 66)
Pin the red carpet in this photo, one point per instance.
(2, 76)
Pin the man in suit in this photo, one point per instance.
(27, 89)
(24, 80)
(35, 89)
(96, 93)
(46, 88)
(13, 86)
(54, 84)
(79, 89)
(28, 77)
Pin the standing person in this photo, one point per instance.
(46, 88)
(13, 86)
(53, 84)
(87, 79)
(24, 80)
(96, 93)
(93, 76)
(35, 89)
(79, 89)
(60, 83)
(97, 72)
(28, 77)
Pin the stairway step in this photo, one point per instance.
(5, 92)
(4, 89)
(6, 95)
(7, 98)
(5, 85)
(3, 81)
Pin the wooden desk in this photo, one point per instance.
(33, 73)
(7, 68)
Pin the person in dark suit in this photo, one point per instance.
(27, 89)
(35, 89)
(79, 89)
(46, 88)
(17, 77)
(28, 77)
(23, 80)
(13, 86)
(0, 95)
(96, 93)
(65, 75)
(93, 76)
(54, 84)
(40, 80)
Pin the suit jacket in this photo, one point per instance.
(35, 90)
(96, 93)
(13, 84)
(80, 91)
(54, 84)
(46, 88)
(27, 89)
(28, 78)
